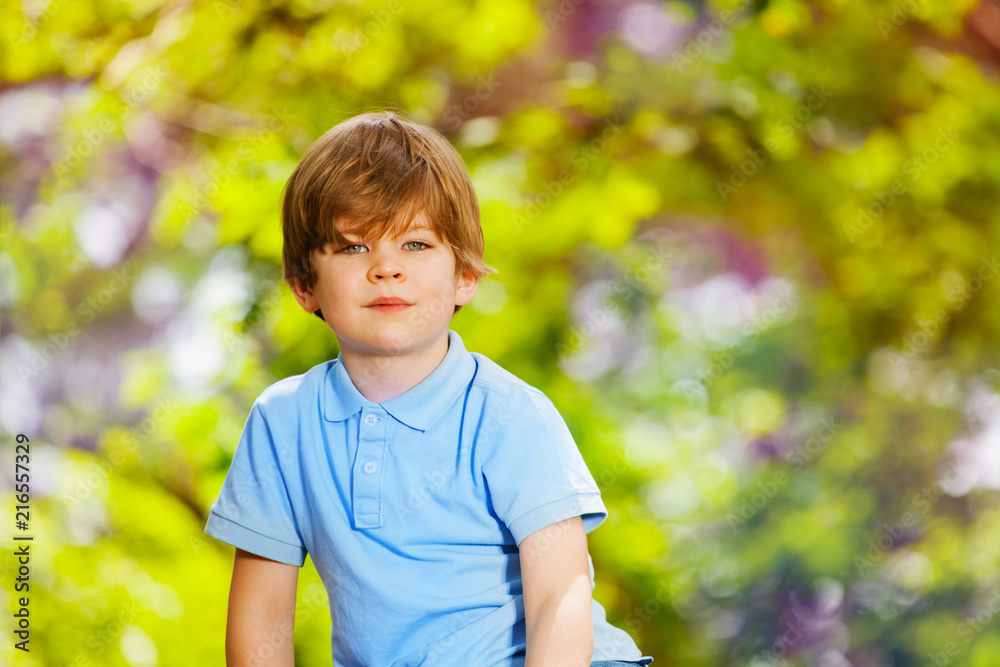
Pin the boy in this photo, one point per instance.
(442, 499)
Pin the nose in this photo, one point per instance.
(386, 265)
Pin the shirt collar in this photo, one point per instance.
(420, 406)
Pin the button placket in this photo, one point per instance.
(372, 441)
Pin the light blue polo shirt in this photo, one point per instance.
(412, 509)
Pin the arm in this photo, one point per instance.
(261, 621)
(557, 596)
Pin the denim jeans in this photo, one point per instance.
(645, 660)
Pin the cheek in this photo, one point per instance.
(444, 296)
(333, 293)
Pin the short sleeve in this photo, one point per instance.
(254, 511)
(535, 474)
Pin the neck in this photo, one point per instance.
(380, 378)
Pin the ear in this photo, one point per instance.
(465, 288)
(304, 295)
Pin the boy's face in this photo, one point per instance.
(418, 268)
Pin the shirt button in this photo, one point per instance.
(371, 467)
(371, 420)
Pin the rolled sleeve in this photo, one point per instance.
(254, 509)
(590, 507)
(534, 471)
(246, 539)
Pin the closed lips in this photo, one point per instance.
(389, 301)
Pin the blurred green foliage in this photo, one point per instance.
(749, 250)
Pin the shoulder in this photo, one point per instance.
(493, 378)
(505, 395)
(295, 391)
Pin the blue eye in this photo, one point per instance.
(346, 249)
(417, 242)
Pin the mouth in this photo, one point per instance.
(389, 304)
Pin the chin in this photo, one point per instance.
(393, 339)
